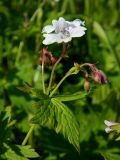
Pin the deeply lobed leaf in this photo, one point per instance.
(56, 115)
(16, 152)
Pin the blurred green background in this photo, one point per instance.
(21, 23)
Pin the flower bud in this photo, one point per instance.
(40, 60)
(46, 52)
(99, 76)
(53, 60)
(86, 85)
(47, 57)
(47, 60)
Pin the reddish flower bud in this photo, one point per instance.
(99, 76)
(47, 60)
(87, 85)
(46, 52)
(53, 60)
(92, 66)
(40, 60)
(47, 57)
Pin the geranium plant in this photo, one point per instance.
(51, 110)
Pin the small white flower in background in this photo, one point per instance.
(63, 31)
(109, 124)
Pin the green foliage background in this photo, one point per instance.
(21, 23)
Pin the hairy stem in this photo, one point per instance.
(70, 72)
(28, 135)
(43, 81)
(52, 75)
(61, 81)
(64, 52)
(58, 85)
(19, 52)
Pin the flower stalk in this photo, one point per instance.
(19, 52)
(73, 70)
(52, 74)
(58, 85)
(28, 135)
(43, 81)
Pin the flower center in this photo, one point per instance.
(65, 32)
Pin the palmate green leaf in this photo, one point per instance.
(56, 115)
(71, 97)
(67, 123)
(17, 152)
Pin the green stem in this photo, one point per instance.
(64, 52)
(34, 15)
(58, 85)
(52, 75)
(28, 135)
(70, 72)
(19, 52)
(43, 82)
(61, 81)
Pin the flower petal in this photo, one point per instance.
(109, 123)
(54, 22)
(60, 37)
(78, 22)
(108, 130)
(49, 38)
(48, 29)
(65, 40)
(77, 32)
(59, 25)
(62, 24)
(68, 39)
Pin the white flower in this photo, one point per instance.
(108, 130)
(63, 31)
(109, 124)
